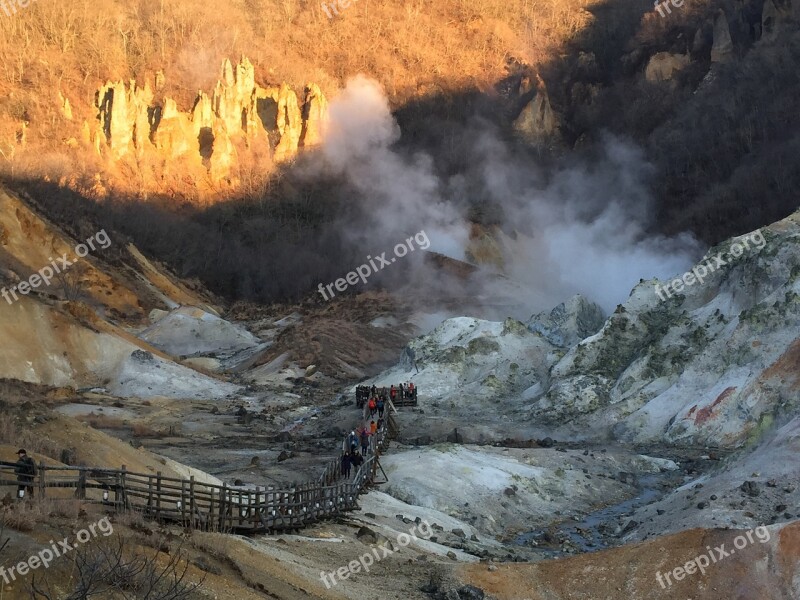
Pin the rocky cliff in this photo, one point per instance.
(239, 113)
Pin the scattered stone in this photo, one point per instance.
(750, 488)
(629, 527)
(781, 508)
(370, 515)
(492, 568)
(660, 511)
(142, 356)
(470, 592)
(702, 505)
(509, 491)
(366, 535)
(284, 455)
(459, 533)
(203, 565)
(452, 555)
(547, 442)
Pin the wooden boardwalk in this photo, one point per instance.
(209, 507)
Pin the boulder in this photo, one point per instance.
(664, 65)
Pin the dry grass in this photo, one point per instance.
(15, 432)
(24, 516)
(96, 421)
(413, 47)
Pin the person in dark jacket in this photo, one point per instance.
(25, 471)
(380, 407)
(346, 462)
(357, 460)
(364, 441)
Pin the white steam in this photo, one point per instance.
(578, 230)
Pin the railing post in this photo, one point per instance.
(223, 497)
(42, 470)
(158, 495)
(123, 484)
(211, 514)
(149, 494)
(80, 493)
(183, 501)
(191, 501)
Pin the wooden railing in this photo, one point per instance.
(213, 507)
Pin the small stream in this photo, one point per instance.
(593, 532)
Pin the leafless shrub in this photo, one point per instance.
(105, 569)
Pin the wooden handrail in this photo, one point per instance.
(209, 506)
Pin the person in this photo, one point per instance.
(25, 471)
(374, 389)
(346, 459)
(380, 423)
(364, 441)
(372, 407)
(401, 391)
(392, 393)
(357, 460)
(381, 406)
(373, 427)
(353, 441)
